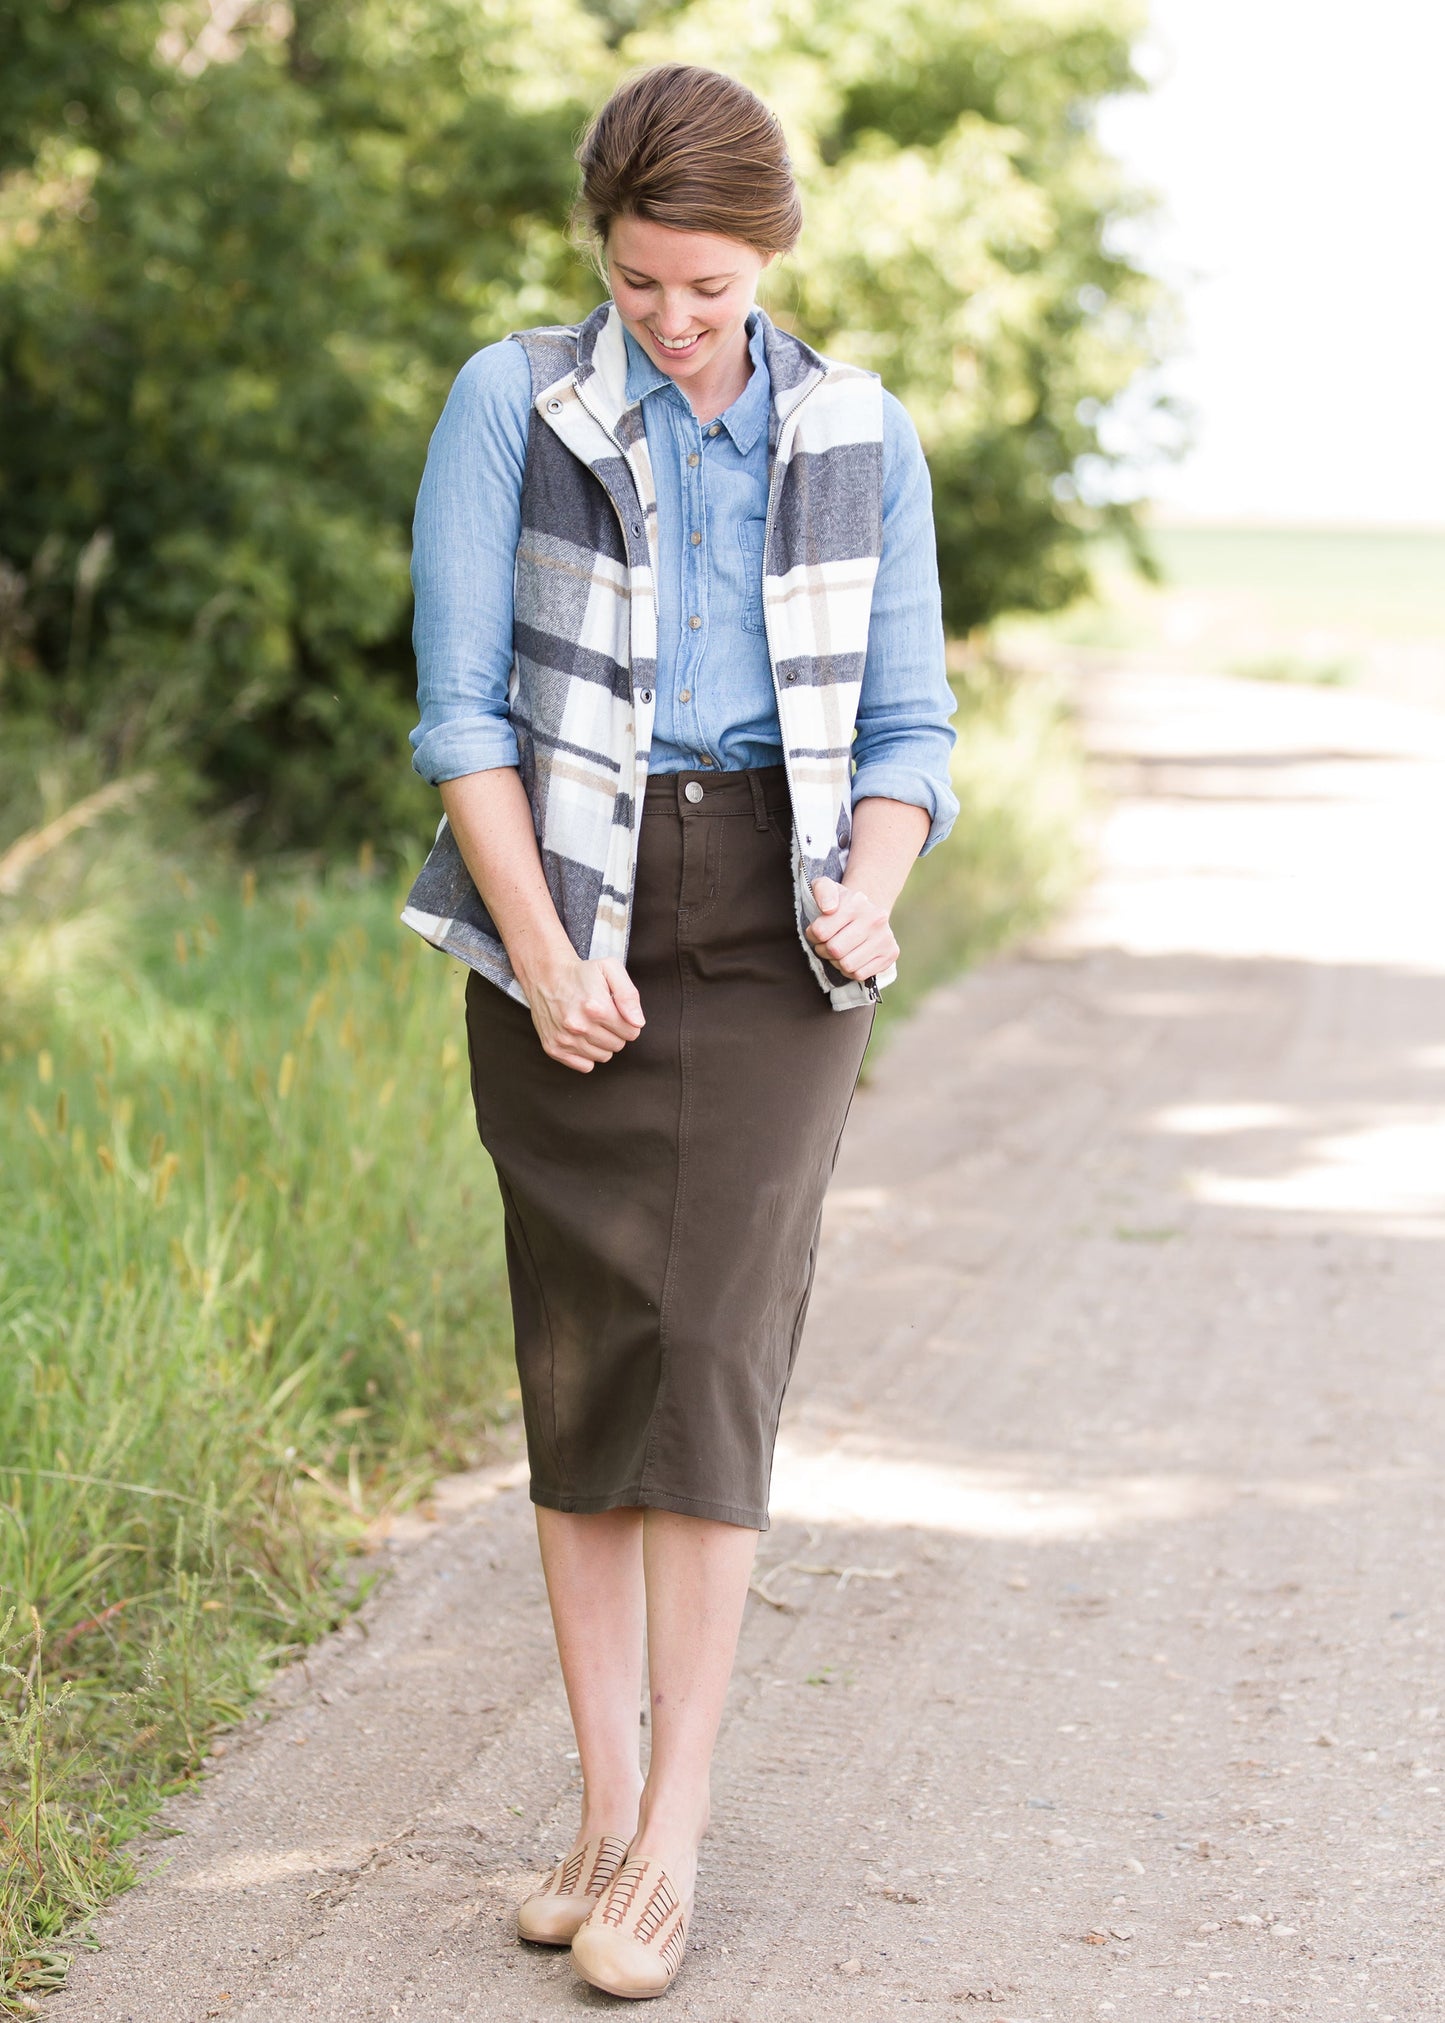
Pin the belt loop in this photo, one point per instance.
(760, 806)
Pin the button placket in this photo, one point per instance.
(694, 603)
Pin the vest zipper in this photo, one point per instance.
(870, 983)
(583, 402)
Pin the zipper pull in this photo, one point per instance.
(870, 984)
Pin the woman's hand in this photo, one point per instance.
(584, 1012)
(852, 930)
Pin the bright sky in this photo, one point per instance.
(1299, 147)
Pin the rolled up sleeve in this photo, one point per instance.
(904, 737)
(464, 548)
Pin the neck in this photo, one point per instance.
(713, 390)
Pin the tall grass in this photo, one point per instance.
(250, 1299)
(250, 1272)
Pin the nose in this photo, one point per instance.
(674, 319)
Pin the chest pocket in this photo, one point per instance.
(750, 538)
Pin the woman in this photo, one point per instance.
(682, 689)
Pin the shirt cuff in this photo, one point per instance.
(885, 782)
(464, 745)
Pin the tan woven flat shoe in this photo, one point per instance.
(633, 1942)
(552, 1914)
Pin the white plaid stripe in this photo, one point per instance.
(606, 622)
(821, 609)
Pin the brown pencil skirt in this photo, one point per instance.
(662, 1212)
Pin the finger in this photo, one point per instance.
(567, 1054)
(846, 908)
(593, 1022)
(601, 1044)
(827, 892)
(872, 959)
(850, 935)
(603, 1024)
(863, 965)
(868, 944)
(624, 991)
(590, 1043)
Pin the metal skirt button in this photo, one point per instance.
(693, 791)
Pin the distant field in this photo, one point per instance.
(1293, 603)
(1389, 583)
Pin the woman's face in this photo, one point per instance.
(684, 295)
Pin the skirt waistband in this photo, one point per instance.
(759, 791)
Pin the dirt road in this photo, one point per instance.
(1105, 1673)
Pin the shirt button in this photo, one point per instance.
(714, 429)
(693, 791)
(705, 761)
(696, 537)
(693, 457)
(695, 622)
(684, 695)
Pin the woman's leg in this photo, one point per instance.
(697, 1573)
(593, 1566)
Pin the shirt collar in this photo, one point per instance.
(744, 421)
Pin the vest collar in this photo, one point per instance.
(747, 417)
(794, 369)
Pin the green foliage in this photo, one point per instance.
(232, 294)
(238, 268)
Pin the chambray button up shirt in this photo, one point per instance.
(715, 703)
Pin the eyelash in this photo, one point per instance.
(707, 294)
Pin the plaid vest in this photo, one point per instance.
(585, 634)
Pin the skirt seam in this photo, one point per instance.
(801, 1316)
(541, 1285)
(670, 1271)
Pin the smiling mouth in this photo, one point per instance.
(677, 348)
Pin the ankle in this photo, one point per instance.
(610, 1809)
(669, 1824)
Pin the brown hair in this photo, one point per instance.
(692, 149)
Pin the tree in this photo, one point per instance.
(243, 251)
(237, 279)
(961, 217)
